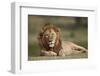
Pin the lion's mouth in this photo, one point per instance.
(51, 44)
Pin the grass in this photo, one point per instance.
(78, 36)
(73, 56)
(33, 50)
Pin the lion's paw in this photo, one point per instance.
(51, 53)
(61, 53)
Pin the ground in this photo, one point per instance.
(78, 56)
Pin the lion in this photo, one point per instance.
(51, 44)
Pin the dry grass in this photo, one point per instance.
(73, 56)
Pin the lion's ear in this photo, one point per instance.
(58, 30)
(44, 27)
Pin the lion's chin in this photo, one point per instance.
(51, 45)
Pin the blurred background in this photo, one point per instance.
(74, 29)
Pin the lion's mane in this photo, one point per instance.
(42, 41)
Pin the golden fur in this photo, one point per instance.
(51, 45)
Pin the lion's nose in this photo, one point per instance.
(50, 40)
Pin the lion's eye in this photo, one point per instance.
(52, 34)
(46, 36)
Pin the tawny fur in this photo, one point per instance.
(61, 48)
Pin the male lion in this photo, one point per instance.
(51, 44)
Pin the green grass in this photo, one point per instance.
(33, 50)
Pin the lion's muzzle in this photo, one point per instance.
(51, 43)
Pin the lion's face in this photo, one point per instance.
(50, 37)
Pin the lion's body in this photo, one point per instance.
(70, 48)
(51, 44)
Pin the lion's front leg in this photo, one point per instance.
(61, 53)
(48, 53)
